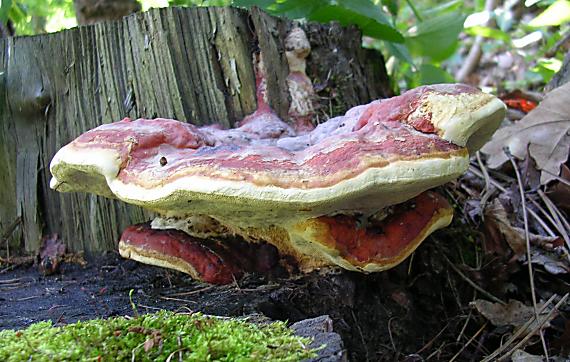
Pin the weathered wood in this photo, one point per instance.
(191, 64)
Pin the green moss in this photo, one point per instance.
(155, 337)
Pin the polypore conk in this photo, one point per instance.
(350, 193)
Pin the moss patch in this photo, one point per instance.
(152, 337)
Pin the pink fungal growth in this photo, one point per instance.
(352, 192)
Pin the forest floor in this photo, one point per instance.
(421, 310)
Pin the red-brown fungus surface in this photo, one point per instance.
(212, 261)
(385, 241)
(264, 150)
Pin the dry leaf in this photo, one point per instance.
(551, 262)
(559, 192)
(544, 132)
(514, 313)
(497, 225)
(50, 255)
(521, 356)
(496, 214)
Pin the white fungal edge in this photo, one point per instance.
(418, 175)
(471, 128)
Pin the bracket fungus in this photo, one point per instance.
(353, 192)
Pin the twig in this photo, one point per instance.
(430, 342)
(469, 341)
(501, 188)
(361, 335)
(192, 292)
(469, 281)
(171, 355)
(390, 334)
(179, 341)
(541, 209)
(177, 299)
(487, 192)
(555, 216)
(466, 322)
(527, 240)
(9, 232)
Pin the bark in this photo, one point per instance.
(191, 64)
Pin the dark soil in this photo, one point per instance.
(414, 311)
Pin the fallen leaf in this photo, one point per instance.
(498, 228)
(559, 192)
(514, 313)
(497, 221)
(554, 263)
(521, 356)
(50, 255)
(148, 344)
(543, 133)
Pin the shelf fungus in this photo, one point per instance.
(353, 192)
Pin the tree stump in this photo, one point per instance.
(190, 64)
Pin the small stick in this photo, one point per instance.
(9, 232)
(362, 335)
(469, 281)
(478, 173)
(527, 239)
(177, 299)
(469, 341)
(565, 182)
(192, 292)
(430, 342)
(553, 210)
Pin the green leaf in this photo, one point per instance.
(264, 4)
(296, 9)
(17, 14)
(488, 32)
(391, 5)
(5, 9)
(401, 52)
(365, 8)
(436, 37)
(430, 74)
(374, 23)
(450, 6)
(556, 14)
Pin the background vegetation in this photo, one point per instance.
(424, 41)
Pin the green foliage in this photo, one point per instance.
(199, 2)
(37, 16)
(436, 37)
(419, 39)
(488, 32)
(557, 13)
(154, 337)
(369, 17)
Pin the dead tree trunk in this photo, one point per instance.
(191, 64)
